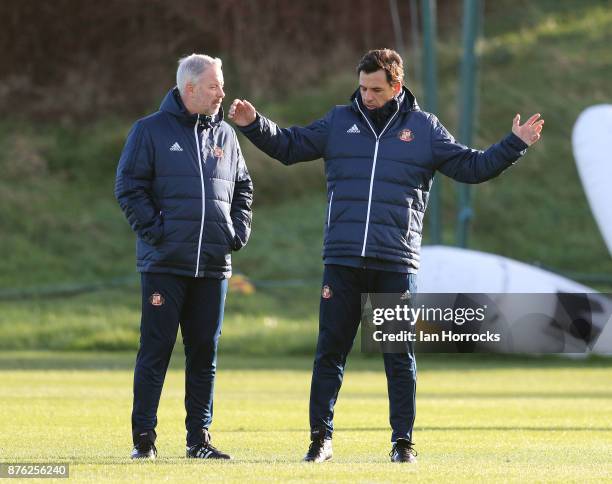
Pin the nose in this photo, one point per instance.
(222, 92)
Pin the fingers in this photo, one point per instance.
(532, 119)
(538, 126)
(232, 110)
(240, 106)
(536, 130)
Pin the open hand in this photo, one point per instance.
(530, 132)
(242, 112)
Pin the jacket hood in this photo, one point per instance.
(173, 104)
(407, 100)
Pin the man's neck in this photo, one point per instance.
(380, 116)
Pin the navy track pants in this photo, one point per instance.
(339, 318)
(196, 304)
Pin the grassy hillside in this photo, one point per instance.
(556, 63)
(59, 223)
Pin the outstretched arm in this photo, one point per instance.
(288, 145)
(474, 166)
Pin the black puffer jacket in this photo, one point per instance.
(185, 189)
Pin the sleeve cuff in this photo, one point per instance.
(251, 127)
(517, 143)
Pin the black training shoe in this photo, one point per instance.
(205, 450)
(403, 451)
(320, 448)
(144, 445)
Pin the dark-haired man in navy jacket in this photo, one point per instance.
(381, 153)
(185, 189)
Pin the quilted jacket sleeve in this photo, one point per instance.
(241, 212)
(133, 186)
(468, 165)
(289, 145)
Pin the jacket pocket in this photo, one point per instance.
(230, 236)
(155, 234)
(235, 242)
(329, 208)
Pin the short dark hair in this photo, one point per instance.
(386, 59)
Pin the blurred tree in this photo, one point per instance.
(76, 59)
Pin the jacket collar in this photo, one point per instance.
(173, 104)
(406, 99)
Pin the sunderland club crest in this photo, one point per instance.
(405, 135)
(156, 299)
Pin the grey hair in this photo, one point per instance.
(190, 68)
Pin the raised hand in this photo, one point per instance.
(242, 112)
(530, 132)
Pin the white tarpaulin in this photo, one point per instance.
(454, 270)
(592, 145)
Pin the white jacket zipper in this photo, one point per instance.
(331, 199)
(195, 133)
(365, 236)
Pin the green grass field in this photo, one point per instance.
(478, 418)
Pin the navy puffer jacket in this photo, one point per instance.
(185, 189)
(378, 181)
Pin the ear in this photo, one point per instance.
(397, 88)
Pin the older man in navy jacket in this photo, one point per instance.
(381, 153)
(185, 189)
